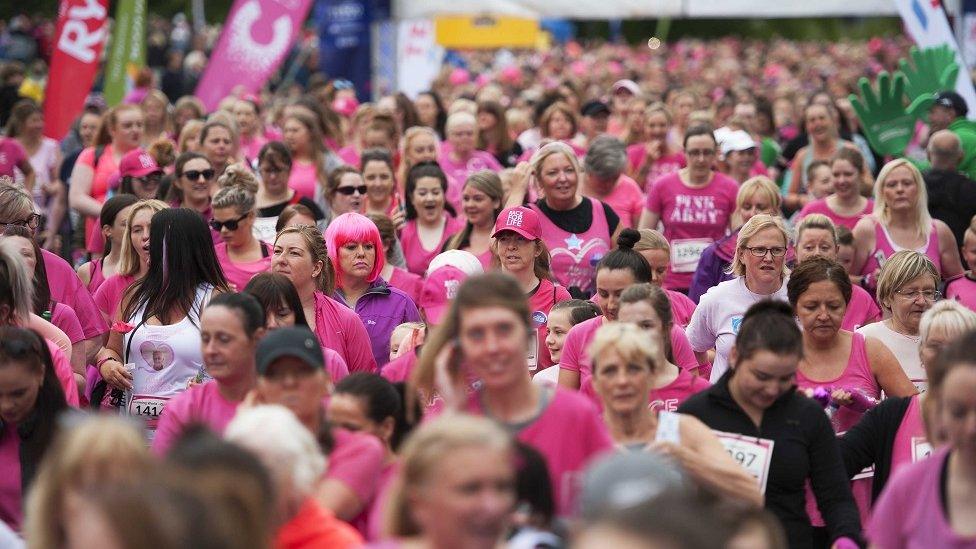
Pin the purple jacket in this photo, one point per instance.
(712, 266)
(382, 308)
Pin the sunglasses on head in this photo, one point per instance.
(349, 191)
(231, 224)
(193, 175)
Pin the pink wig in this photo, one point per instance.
(353, 227)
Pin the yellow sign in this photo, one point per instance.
(486, 31)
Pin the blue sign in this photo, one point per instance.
(345, 42)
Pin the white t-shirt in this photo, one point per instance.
(716, 320)
(904, 347)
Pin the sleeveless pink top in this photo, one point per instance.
(574, 256)
(418, 257)
(911, 444)
(239, 274)
(820, 206)
(885, 246)
(856, 376)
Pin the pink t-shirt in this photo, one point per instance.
(357, 461)
(682, 307)
(239, 274)
(303, 179)
(407, 282)
(669, 397)
(541, 302)
(820, 206)
(349, 156)
(692, 219)
(107, 168)
(67, 288)
(109, 294)
(909, 513)
(335, 365)
(668, 163)
(339, 328)
(861, 310)
(627, 201)
(963, 290)
(11, 497)
(198, 404)
(575, 355)
(12, 154)
(416, 255)
(911, 443)
(251, 145)
(62, 368)
(66, 320)
(459, 171)
(373, 524)
(566, 456)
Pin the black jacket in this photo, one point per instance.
(952, 199)
(804, 447)
(872, 440)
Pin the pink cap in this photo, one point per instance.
(519, 219)
(439, 289)
(345, 106)
(138, 163)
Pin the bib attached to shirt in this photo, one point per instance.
(754, 454)
(685, 253)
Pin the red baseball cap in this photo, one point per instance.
(521, 220)
(138, 163)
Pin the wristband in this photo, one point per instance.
(98, 365)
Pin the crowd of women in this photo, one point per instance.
(420, 323)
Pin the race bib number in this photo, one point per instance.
(148, 408)
(921, 449)
(668, 428)
(754, 454)
(685, 253)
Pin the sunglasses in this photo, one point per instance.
(349, 191)
(194, 175)
(231, 224)
(32, 221)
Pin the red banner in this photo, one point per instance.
(77, 52)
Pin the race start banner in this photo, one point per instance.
(128, 49)
(78, 48)
(255, 40)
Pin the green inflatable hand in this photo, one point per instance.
(935, 70)
(887, 124)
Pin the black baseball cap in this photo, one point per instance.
(952, 100)
(294, 341)
(594, 108)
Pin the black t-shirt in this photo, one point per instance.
(275, 211)
(578, 219)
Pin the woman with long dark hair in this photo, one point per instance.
(158, 321)
(430, 218)
(29, 416)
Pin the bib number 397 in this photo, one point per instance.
(754, 454)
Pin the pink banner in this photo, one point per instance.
(256, 38)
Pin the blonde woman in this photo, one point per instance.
(755, 196)
(419, 144)
(907, 287)
(901, 221)
(759, 266)
(450, 467)
(481, 202)
(459, 158)
(625, 363)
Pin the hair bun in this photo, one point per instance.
(769, 307)
(628, 238)
(239, 175)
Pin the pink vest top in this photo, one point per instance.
(574, 256)
(418, 257)
(884, 246)
(239, 274)
(910, 444)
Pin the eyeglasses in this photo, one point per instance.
(32, 221)
(230, 224)
(349, 191)
(928, 295)
(761, 251)
(194, 175)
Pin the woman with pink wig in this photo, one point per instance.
(356, 250)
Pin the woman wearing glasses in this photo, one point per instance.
(274, 194)
(193, 184)
(240, 254)
(694, 204)
(760, 268)
(346, 191)
(906, 289)
(901, 221)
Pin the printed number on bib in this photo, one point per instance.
(685, 253)
(921, 449)
(147, 407)
(754, 454)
